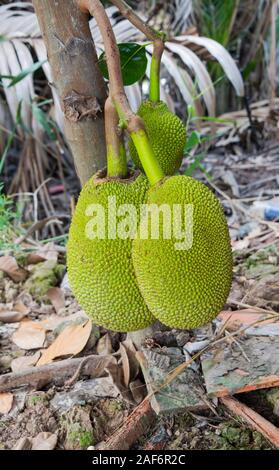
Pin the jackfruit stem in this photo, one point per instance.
(154, 90)
(156, 37)
(148, 160)
(129, 120)
(116, 154)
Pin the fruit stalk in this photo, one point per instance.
(158, 46)
(116, 155)
(154, 91)
(128, 119)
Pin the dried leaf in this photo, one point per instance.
(11, 316)
(133, 362)
(57, 298)
(30, 335)
(104, 346)
(45, 253)
(125, 364)
(10, 267)
(44, 441)
(138, 390)
(6, 402)
(72, 341)
(24, 362)
(53, 322)
(16, 315)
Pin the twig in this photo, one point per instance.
(141, 25)
(57, 372)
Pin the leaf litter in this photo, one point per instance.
(49, 327)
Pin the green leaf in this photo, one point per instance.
(45, 122)
(24, 73)
(133, 62)
(11, 137)
(196, 164)
(192, 141)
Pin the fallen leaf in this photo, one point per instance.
(47, 252)
(24, 362)
(125, 364)
(240, 245)
(30, 335)
(16, 315)
(22, 308)
(71, 341)
(44, 441)
(6, 402)
(24, 443)
(10, 267)
(116, 374)
(57, 298)
(53, 322)
(245, 316)
(138, 390)
(11, 316)
(133, 362)
(104, 346)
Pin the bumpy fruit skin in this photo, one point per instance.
(101, 271)
(185, 288)
(166, 133)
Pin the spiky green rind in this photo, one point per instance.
(167, 136)
(101, 272)
(185, 288)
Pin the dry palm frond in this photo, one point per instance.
(232, 126)
(20, 29)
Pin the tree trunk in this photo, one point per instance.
(78, 81)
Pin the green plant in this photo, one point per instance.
(9, 217)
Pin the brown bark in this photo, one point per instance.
(78, 81)
(56, 372)
(253, 419)
(137, 423)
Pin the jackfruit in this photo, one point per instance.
(101, 272)
(183, 288)
(166, 133)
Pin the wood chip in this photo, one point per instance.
(30, 335)
(71, 341)
(6, 402)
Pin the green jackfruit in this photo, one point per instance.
(166, 133)
(101, 271)
(184, 288)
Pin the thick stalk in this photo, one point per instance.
(158, 46)
(78, 81)
(116, 155)
(155, 68)
(132, 122)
